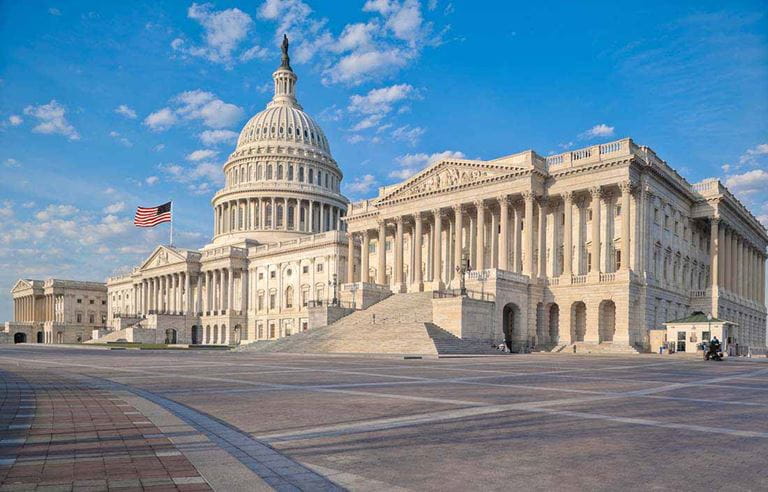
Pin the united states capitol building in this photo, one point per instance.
(594, 247)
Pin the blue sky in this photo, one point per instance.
(108, 105)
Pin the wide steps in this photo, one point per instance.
(399, 324)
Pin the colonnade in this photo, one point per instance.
(210, 292)
(34, 308)
(526, 234)
(738, 266)
(276, 213)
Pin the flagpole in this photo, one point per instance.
(171, 222)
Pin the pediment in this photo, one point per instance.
(162, 256)
(21, 284)
(447, 175)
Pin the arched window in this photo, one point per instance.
(319, 177)
(279, 171)
(290, 172)
(235, 176)
(289, 297)
(301, 174)
(239, 217)
(250, 173)
(269, 172)
(258, 172)
(310, 176)
(326, 180)
(268, 215)
(279, 218)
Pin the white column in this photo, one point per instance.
(517, 240)
(364, 257)
(437, 250)
(416, 245)
(480, 235)
(458, 233)
(399, 253)
(493, 261)
(597, 194)
(528, 235)
(351, 257)
(381, 268)
(626, 189)
(504, 234)
(542, 270)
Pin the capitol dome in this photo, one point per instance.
(281, 179)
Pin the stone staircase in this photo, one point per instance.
(598, 348)
(399, 324)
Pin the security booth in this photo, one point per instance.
(687, 334)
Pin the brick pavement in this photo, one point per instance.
(57, 434)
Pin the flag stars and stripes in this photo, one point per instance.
(151, 216)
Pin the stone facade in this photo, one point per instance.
(594, 246)
(56, 311)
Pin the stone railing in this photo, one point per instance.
(578, 279)
(494, 273)
(607, 277)
(553, 281)
(698, 293)
(595, 153)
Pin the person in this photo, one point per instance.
(714, 348)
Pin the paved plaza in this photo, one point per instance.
(91, 419)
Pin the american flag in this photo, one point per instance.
(151, 216)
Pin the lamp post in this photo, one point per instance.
(709, 325)
(462, 271)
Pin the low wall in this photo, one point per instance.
(320, 316)
(363, 295)
(464, 317)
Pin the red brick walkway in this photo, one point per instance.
(57, 434)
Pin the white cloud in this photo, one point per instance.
(56, 211)
(54, 11)
(749, 182)
(214, 137)
(751, 155)
(367, 122)
(52, 120)
(358, 67)
(6, 209)
(726, 168)
(199, 155)
(29, 204)
(413, 163)
(255, 51)
(601, 130)
(356, 138)
(160, 120)
(224, 31)
(126, 111)
(361, 184)
(15, 120)
(11, 162)
(158, 147)
(380, 100)
(408, 134)
(121, 139)
(152, 180)
(196, 105)
(114, 208)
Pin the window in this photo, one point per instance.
(261, 276)
(79, 301)
(289, 297)
(655, 215)
(301, 174)
(90, 318)
(103, 303)
(272, 274)
(387, 245)
(269, 171)
(618, 259)
(303, 326)
(303, 297)
(79, 317)
(271, 331)
(319, 267)
(305, 269)
(666, 222)
(371, 247)
(618, 210)
(103, 319)
(589, 262)
(272, 300)
(706, 336)
(311, 176)
(280, 171)
(279, 218)
(290, 173)
(261, 301)
(589, 214)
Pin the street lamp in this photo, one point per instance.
(462, 270)
(709, 325)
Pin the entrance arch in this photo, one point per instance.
(19, 337)
(607, 321)
(40, 337)
(511, 324)
(215, 334)
(170, 336)
(542, 330)
(207, 334)
(578, 321)
(196, 335)
(554, 323)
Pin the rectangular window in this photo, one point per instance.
(371, 247)
(79, 301)
(103, 319)
(387, 245)
(261, 276)
(319, 267)
(79, 318)
(90, 319)
(272, 301)
(618, 260)
(272, 274)
(91, 302)
(589, 262)
(305, 269)
(261, 302)
(618, 210)
(655, 215)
